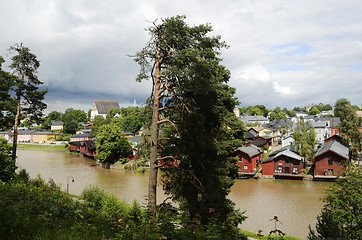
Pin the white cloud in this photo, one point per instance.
(83, 46)
(283, 90)
(253, 73)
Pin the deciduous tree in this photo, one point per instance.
(341, 216)
(349, 125)
(112, 144)
(305, 139)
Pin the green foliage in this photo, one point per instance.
(64, 137)
(277, 114)
(7, 103)
(111, 144)
(284, 130)
(349, 126)
(26, 86)
(71, 119)
(314, 110)
(131, 119)
(97, 123)
(7, 166)
(341, 216)
(199, 128)
(257, 110)
(304, 139)
(291, 113)
(300, 109)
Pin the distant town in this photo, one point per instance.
(270, 149)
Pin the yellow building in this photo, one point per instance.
(44, 136)
(57, 126)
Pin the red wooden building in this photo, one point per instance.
(81, 137)
(330, 158)
(282, 162)
(262, 141)
(250, 158)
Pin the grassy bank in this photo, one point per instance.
(265, 236)
(63, 147)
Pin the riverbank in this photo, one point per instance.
(55, 147)
(296, 203)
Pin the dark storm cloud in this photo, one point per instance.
(282, 53)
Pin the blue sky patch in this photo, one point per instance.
(291, 49)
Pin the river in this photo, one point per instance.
(296, 203)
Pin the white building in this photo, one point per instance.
(102, 107)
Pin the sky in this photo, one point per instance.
(282, 53)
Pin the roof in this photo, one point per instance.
(90, 144)
(135, 139)
(249, 135)
(253, 118)
(333, 146)
(320, 124)
(251, 150)
(335, 121)
(22, 132)
(284, 151)
(81, 135)
(45, 133)
(57, 123)
(103, 106)
(259, 142)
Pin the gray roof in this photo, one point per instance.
(22, 132)
(249, 135)
(253, 118)
(251, 150)
(45, 133)
(334, 146)
(259, 142)
(285, 151)
(103, 106)
(135, 139)
(320, 124)
(335, 121)
(57, 123)
(82, 135)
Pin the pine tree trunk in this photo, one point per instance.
(16, 123)
(152, 183)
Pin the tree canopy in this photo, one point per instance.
(349, 125)
(277, 113)
(71, 119)
(341, 216)
(29, 98)
(112, 144)
(305, 139)
(7, 103)
(193, 107)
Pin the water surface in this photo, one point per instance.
(296, 203)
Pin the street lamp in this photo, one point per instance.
(68, 183)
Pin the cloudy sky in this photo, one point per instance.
(282, 53)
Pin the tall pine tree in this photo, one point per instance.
(194, 130)
(29, 99)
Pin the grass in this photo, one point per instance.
(42, 146)
(266, 236)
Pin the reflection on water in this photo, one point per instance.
(296, 203)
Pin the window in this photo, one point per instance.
(330, 162)
(245, 166)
